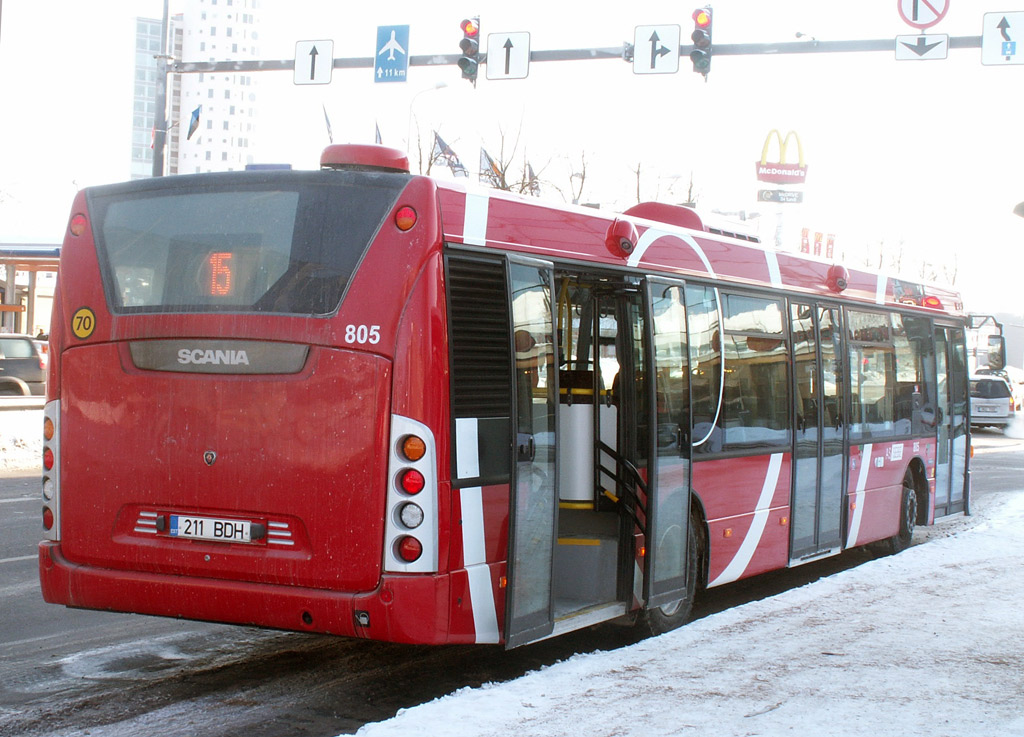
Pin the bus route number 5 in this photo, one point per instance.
(362, 334)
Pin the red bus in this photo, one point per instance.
(360, 402)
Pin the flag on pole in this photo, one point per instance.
(377, 138)
(490, 172)
(443, 152)
(532, 184)
(193, 125)
(330, 133)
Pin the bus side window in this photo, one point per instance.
(704, 323)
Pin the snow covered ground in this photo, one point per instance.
(21, 440)
(928, 642)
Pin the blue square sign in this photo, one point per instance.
(392, 54)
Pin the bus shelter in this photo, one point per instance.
(21, 304)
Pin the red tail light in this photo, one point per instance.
(48, 459)
(47, 519)
(405, 218)
(78, 224)
(409, 549)
(412, 481)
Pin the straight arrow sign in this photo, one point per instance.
(508, 55)
(309, 68)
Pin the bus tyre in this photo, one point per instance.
(908, 520)
(667, 617)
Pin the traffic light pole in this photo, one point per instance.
(160, 121)
(620, 52)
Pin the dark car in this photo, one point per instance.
(22, 366)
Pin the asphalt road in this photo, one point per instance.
(66, 672)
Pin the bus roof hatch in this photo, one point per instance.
(364, 157)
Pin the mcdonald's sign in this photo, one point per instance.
(780, 172)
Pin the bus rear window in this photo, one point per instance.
(285, 243)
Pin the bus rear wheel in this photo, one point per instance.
(660, 619)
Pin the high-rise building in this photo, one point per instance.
(204, 30)
(147, 47)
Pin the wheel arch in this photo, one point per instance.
(919, 476)
(700, 519)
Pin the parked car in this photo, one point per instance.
(992, 401)
(1014, 377)
(22, 366)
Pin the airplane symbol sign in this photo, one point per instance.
(392, 56)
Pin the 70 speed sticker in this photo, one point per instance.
(83, 323)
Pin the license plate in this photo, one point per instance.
(209, 528)
(987, 409)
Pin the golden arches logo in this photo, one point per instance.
(780, 172)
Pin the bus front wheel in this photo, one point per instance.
(660, 619)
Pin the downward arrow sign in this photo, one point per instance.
(921, 47)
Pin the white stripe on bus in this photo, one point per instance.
(773, 268)
(474, 552)
(745, 554)
(883, 282)
(652, 234)
(474, 227)
(858, 499)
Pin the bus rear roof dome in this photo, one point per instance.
(364, 157)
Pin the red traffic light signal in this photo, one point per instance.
(469, 62)
(701, 36)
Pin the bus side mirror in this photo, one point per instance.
(996, 352)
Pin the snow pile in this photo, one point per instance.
(927, 642)
(21, 440)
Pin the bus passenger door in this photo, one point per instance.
(668, 514)
(818, 458)
(952, 399)
(532, 521)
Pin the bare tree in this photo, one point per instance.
(578, 174)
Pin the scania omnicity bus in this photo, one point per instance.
(361, 402)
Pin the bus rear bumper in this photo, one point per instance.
(372, 615)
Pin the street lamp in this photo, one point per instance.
(412, 102)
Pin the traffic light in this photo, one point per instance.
(701, 54)
(470, 45)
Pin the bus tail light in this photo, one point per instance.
(50, 482)
(412, 481)
(405, 218)
(409, 549)
(411, 499)
(78, 225)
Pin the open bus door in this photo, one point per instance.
(951, 477)
(667, 574)
(532, 523)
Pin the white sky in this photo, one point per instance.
(928, 153)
